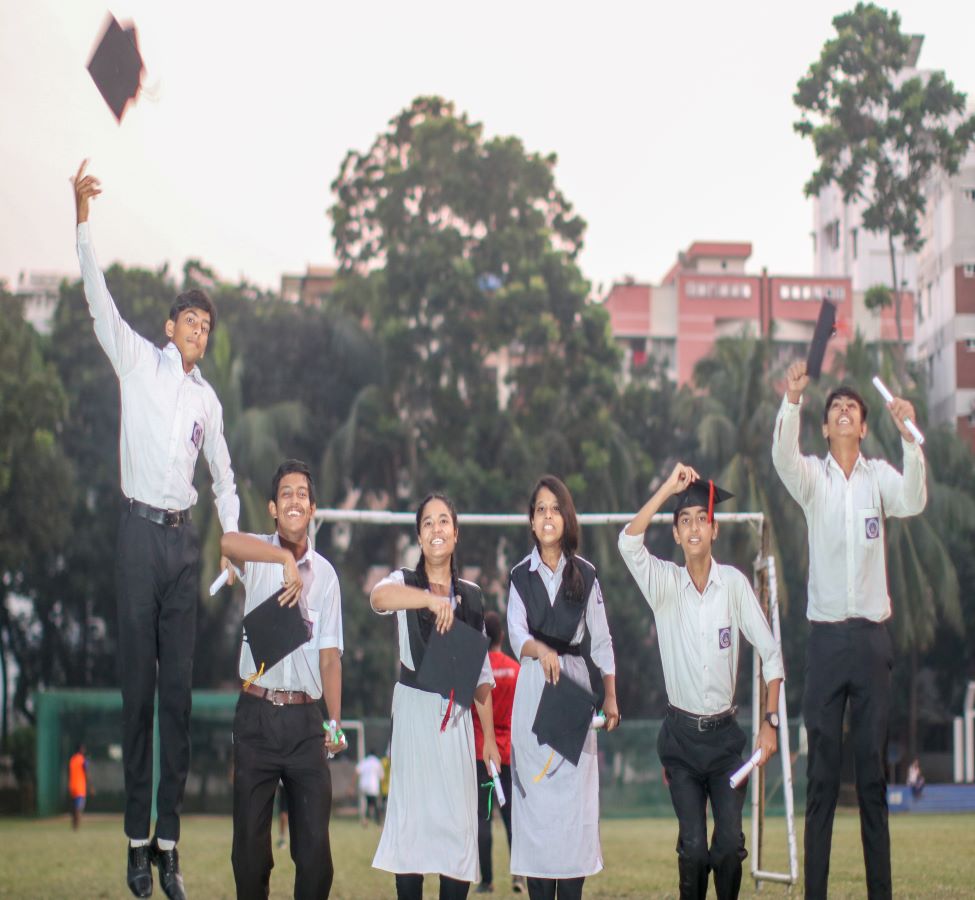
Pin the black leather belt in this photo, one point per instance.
(171, 518)
(703, 723)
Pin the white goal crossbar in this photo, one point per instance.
(764, 566)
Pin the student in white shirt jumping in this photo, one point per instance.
(699, 609)
(845, 498)
(169, 414)
(278, 734)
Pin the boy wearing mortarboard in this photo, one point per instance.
(699, 609)
(278, 732)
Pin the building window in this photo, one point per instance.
(746, 290)
(968, 270)
(968, 193)
(970, 345)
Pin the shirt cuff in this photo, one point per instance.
(911, 447)
(84, 233)
(229, 525)
(790, 408)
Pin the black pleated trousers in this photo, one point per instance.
(285, 743)
(698, 766)
(157, 573)
(847, 662)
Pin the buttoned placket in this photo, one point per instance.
(177, 427)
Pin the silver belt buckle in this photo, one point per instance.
(274, 698)
(702, 722)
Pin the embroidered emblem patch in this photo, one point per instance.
(872, 527)
(724, 638)
(196, 437)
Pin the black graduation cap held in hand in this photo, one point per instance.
(564, 717)
(116, 66)
(273, 631)
(453, 661)
(702, 493)
(825, 329)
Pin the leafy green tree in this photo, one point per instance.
(35, 494)
(879, 134)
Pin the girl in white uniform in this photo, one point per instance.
(431, 813)
(557, 626)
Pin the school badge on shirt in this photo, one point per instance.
(871, 526)
(196, 436)
(724, 638)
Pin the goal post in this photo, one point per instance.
(766, 588)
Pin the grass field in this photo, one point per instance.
(43, 858)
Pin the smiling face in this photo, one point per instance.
(694, 532)
(547, 521)
(293, 508)
(190, 333)
(437, 531)
(844, 420)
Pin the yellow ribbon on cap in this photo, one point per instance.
(254, 677)
(541, 774)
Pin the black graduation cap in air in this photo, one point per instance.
(116, 65)
(702, 493)
(273, 631)
(825, 329)
(564, 717)
(453, 662)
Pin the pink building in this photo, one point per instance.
(707, 294)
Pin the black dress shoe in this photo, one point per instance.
(138, 874)
(170, 878)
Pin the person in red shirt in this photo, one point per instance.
(505, 671)
(77, 784)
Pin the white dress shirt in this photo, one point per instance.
(601, 643)
(699, 631)
(321, 605)
(405, 653)
(168, 415)
(845, 520)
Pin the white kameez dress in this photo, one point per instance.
(555, 820)
(431, 812)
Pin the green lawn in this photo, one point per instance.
(43, 858)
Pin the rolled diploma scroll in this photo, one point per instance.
(911, 427)
(332, 728)
(745, 770)
(219, 581)
(498, 790)
(599, 721)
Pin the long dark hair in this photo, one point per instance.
(421, 565)
(571, 576)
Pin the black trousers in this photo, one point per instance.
(484, 820)
(157, 572)
(555, 888)
(847, 661)
(285, 743)
(698, 765)
(410, 887)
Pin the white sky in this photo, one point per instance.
(671, 122)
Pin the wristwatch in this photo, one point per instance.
(772, 718)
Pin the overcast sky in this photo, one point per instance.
(672, 122)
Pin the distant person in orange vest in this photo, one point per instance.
(78, 784)
(505, 670)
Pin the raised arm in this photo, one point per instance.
(796, 472)
(121, 344)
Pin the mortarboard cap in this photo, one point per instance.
(564, 717)
(116, 66)
(825, 329)
(453, 662)
(273, 631)
(702, 493)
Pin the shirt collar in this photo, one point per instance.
(714, 577)
(305, 560)
(172, 350)
(861, 462)
(536, 561)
